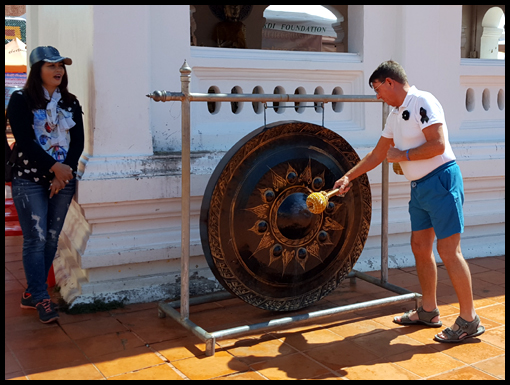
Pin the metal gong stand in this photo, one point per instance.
(182, 316)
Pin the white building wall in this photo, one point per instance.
(122, 236)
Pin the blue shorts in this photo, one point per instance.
(436, 201)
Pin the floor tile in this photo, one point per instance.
(478, 301)
(203, 368)
(290, 367)
(95, 327)
(340, 355)
(355, 328)
(16, 376)
(444, 289)
(85, 371)
(494, 313)
(495, 336)
(178, 349)
(108, 343)
(14, 286)
(130, 360)
(242, 376)
(309, 339)
(403, 280)
(37, 338)
(160, 372)
(475, 268)
(470, 351)
(251, 351)
(486, 289)
(491, 276)
(15, 268)
(54, 355)
(424, 362)
(488, 263)
(74, 318)
(26, 320)
(13, 297)
(11, 363)
(379, 371)
(150, 328)
(134, 307)
(387, 342)
(494, 366)
(464, 374)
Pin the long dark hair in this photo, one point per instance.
(34, 88)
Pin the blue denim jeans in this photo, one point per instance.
(41, 220)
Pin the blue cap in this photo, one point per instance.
(48, 54)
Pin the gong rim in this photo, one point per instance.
(259, 239)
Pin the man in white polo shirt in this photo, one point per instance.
(416, 136)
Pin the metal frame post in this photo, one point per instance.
(186, 188)
(182, 316)
(384, 206)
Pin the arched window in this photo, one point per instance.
(493, 28)
(483, 32)
(302, 28)
(316, 28)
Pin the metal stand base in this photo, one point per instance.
(165, 309)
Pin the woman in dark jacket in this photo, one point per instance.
(47, 124)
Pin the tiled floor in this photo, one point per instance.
(133, 343)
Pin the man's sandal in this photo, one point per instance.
(469, 329)
(424, 318)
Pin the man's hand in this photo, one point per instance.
(394, 155)
(343, 185)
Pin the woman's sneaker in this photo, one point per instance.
(27, 301)
(46, 311)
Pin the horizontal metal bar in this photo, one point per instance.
(220, 334)
(195, 329)
(167, 96)
(204, 298)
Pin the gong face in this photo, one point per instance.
(259, 238)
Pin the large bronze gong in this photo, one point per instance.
(260, 240)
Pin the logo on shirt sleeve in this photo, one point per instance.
(424, 117)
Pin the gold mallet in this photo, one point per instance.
(318, 201)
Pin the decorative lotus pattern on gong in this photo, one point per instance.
(288, 231)
(259, 238)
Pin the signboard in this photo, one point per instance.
(299, 22)
(290, 41)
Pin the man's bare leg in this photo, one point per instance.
(450, 252)
(422, 243)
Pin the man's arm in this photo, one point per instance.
(435, 145)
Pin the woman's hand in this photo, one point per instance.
(55, 186)
(62, 172)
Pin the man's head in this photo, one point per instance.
(388, 69)
(389, 81)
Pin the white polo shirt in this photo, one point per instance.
(405, 124)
